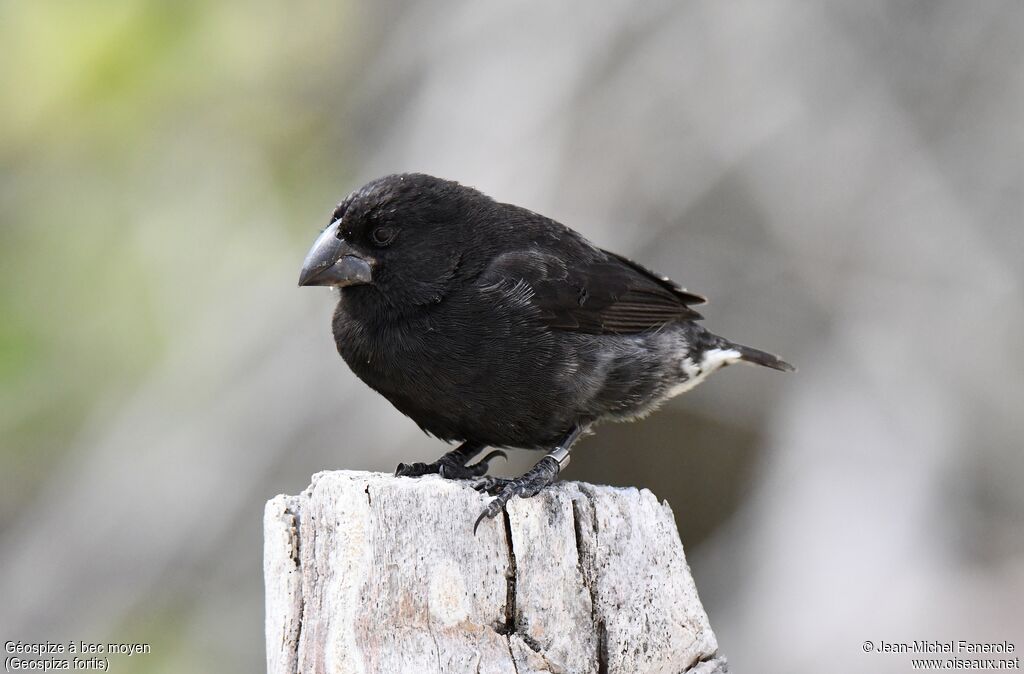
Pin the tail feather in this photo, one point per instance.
(758, 357)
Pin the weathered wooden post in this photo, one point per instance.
(370, 573)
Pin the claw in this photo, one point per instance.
(509, 488)
(492, 455)
(413, 469)
(480, 519)
(491, 484)
(451, 465)
(480, 467)
(492, 509)
(530, 483)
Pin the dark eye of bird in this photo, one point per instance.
(382, 236)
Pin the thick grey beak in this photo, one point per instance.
(332, 262)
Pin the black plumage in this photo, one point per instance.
(492, 325)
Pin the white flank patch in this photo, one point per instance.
(710, 361)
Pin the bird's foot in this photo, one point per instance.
(449, 467)
(529, 484)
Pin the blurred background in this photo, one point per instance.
(843, 180)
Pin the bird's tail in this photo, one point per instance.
(758, 357)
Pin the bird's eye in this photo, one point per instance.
(382, 236)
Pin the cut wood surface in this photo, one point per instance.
(370, 573)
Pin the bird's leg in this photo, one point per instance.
(530, 483)
(453, 464)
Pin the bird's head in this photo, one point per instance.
(401, 235)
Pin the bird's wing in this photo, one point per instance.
(593, 291)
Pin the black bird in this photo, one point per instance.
(494, 326)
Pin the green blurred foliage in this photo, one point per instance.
(152, 153)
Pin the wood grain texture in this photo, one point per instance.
(370, 573)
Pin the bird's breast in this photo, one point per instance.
(463, 371)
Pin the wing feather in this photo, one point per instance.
(592, 291)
